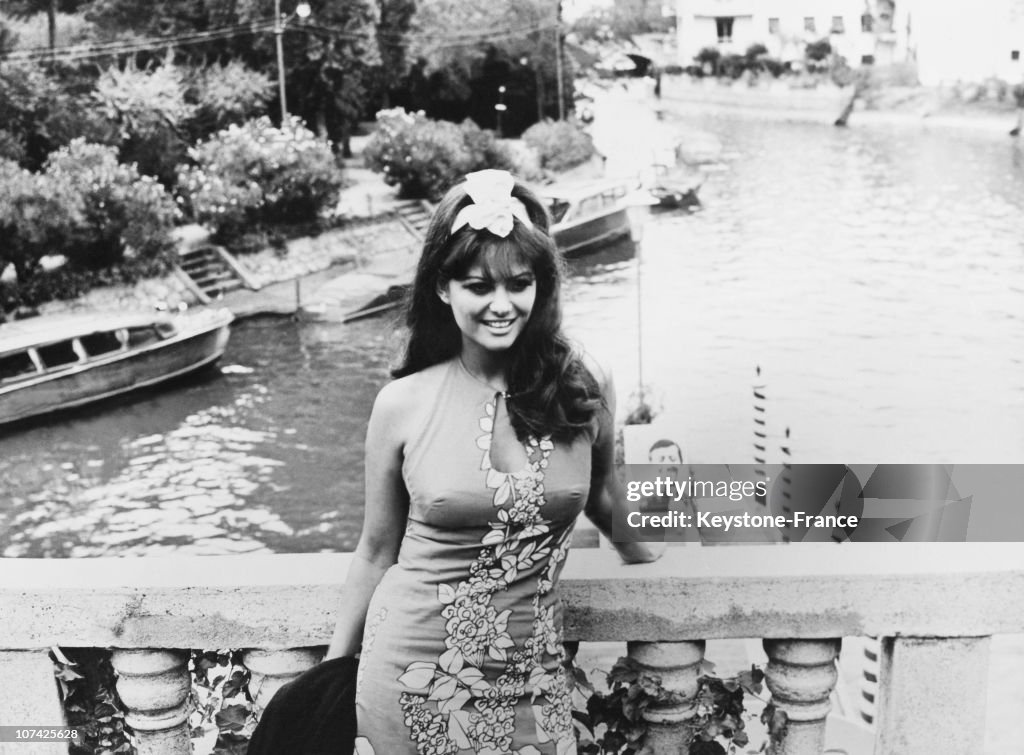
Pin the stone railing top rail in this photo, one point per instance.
(805, 590)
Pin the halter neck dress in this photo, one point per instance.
(462, 649)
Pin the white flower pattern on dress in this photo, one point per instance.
(369, 637)
(451, 706)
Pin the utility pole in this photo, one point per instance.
(558, 63)
(278, 35)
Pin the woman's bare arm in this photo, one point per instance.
(386, 509)
(607, 506)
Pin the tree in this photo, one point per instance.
(328, 57)
(115, 18)
(28, 8)
(39, 113)
(603, 24)
(395, 21)
(329, 62)
(504, 43)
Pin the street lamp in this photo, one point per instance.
(302, 10)
(500, 108)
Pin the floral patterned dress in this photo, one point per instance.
(462, 651)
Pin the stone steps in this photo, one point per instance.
(210, 271)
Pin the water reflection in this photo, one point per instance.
(250, 460)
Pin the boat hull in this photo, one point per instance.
(584, 236)
(114, 374)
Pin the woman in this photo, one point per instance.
(479, 456)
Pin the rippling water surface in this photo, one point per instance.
(875, 277)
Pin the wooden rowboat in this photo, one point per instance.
(52, 363)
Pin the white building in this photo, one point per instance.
(947, 40)
(953, 42)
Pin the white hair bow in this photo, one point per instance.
(493, 206)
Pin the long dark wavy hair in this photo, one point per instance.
(551, 391)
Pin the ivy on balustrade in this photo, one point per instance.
(91, 704)
(612, 722)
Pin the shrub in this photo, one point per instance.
(560, 145)
(149, 110)
(121, 210)
(707, 58)
(818, 52)
(226, 94)
(12, 146)
(774, 66)
(42, 114)
(38, 216)
(424, 158)
(732, 65)
(755, 51)
(248, 177)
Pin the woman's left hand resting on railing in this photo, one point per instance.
(607, 506)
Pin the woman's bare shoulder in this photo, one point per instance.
(402, 400)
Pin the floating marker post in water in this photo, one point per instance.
(760, 430)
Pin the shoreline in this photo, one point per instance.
(911, 107)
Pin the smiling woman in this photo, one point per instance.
(494, 436)
(490, 310)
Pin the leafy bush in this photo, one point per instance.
(248, 177)
(12, 146)
(774, 66)
(121, 210)
(732, 65)
(41, 114)
(38, 215)
(818, 52)
(150, 110)
(485, 151)
(424, 157)
(758, 60)
(226, 94)
(707, 58)
(560, 145)
(755, 51)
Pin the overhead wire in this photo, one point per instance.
(68, 53)
(79, 51)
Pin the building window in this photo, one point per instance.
(1014, 54)
(867, 60)
(723, 24)
(773, 26)
(867, 23)
(838, 27)
(809, 24)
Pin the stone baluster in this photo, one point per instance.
(28, 697)
(678, 664)
(801, 675)
(154, 686)
(932, 695)
(272, 669)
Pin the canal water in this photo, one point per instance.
(871, 281)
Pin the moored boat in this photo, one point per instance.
(51, 363)
(674, 189)
(588, 215)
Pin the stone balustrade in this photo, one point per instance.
(934, 604)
